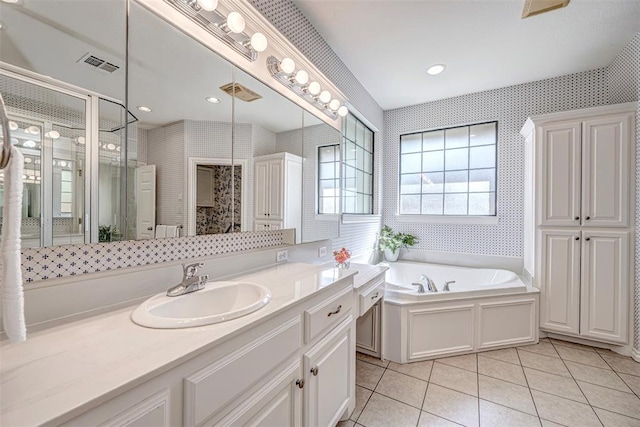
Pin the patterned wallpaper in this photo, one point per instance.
(217, 218)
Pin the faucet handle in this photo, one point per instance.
(446, 285)
(190, 270)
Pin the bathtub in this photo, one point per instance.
(485, 309)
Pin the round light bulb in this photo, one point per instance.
(325, 96)
(29, 144)
(33, 130)
(63, 163)
(343, 111)
(80, 140)
(208, 5)
(13, 126)
(111, 146)
(436, 69)
(287, 65)
(334, 104)
(53, 134)
(302, 77)
(235, 22)
(28, 160)
(314, 88)
(259, 42)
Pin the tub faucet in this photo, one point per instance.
(190, 282)
(431, 286)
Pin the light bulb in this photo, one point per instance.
(213, 99)
(63, 163)
(33, 130)
(343, 111)
(334, 104)
(27, 160)
(80, 140)
(259, 42)
(287, 65)
(302, 77)
(53, 134)
(29, 144)
(208, 5)
(235, 22)
(436, 69)
(13, 126)
(325, 96)
(314, 88)
(144, 108)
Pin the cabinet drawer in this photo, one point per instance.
(371, 295)
(211, 388)
(326, 314)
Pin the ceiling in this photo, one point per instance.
(389, 44)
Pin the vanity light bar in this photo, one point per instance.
(284, 71)
(229, 29)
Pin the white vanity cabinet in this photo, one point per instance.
(579, 179)
(278, 192)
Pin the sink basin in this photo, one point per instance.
(217, 302)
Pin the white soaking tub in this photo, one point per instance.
(484, 309)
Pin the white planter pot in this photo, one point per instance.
(391, 256)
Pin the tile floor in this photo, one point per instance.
(553, 383)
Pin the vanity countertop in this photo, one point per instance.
(68, 369)
(366, 273)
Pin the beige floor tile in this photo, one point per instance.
(348, 423)
(452, 405)
(607, 352)
(466, 361)
(611, 400)
(543, 347)
(564, 411)
(382, 411)
(580, 356)
(372, 360)
(554, 384)
(368, 375)
(402, 387)
(362, 396)
(632, 381)
(506, 394)
(547, 423)
(497, 415)
(501, 370)
(509, 355)
(572, 345)
(421, 370)
(626, 365)
(599, 376)
(610, 419)
(543, 363)
(454, 378)
(430, 420)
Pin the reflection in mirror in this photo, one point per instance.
(180, 151)
(71, 43)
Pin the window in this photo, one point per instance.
(329, 179)
(449, 171)
(358, 167)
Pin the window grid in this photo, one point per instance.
(329, 197)
(352, 170)
(424, 170)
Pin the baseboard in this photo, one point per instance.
(635, 353)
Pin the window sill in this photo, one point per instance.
(328, 217)
(448, 219)
(360, 218)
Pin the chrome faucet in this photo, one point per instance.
(446, 285)
(431, 286)
(190, 282)
(420, 287)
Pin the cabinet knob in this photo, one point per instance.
(587, 238)
(149, 228)
(577, 218)
(577, 238)
(374, 296)
(588, 218)
(300, 383)
(336, 311)
(314, 371)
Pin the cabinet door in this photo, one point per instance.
(368, 330)
(605, 285)
(560, 163)
(560, 281)
(262, 190)
(204, 187)
(328, 369)
(606, 155)
(276, 187)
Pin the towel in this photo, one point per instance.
(172, 231)
(12, 294)
(161, 231)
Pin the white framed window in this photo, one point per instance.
(358, 167)
(449, 172)
(329, 179)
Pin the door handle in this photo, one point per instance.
(336, 311)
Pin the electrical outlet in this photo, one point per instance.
(322, 251)
(282, 256)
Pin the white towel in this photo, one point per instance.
(12, 293)
(161, 231)
(172, 231)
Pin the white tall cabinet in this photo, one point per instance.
(278, 192)
(578, 219)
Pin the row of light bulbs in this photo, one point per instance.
(34, 130)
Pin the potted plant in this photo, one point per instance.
(106, 233)
(391, 242)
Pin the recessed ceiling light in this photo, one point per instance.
(212, 99)
(436, 69)
(143, 108)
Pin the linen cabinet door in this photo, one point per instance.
(605, 285)
(560, 281)
(606, 158)
(261, 185)
(561, 166)
(276, 188)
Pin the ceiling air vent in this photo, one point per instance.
(97, 64)
(241, 92)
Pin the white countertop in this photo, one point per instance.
(79, 365)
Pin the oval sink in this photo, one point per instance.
(217, 302)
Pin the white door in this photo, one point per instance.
(276, 187)
(145, 202)
(262, 190)
(560, 163)
(605, 285)
(606, 155)
(560, 281)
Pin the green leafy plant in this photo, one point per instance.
(394, 241)
(106, 233)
